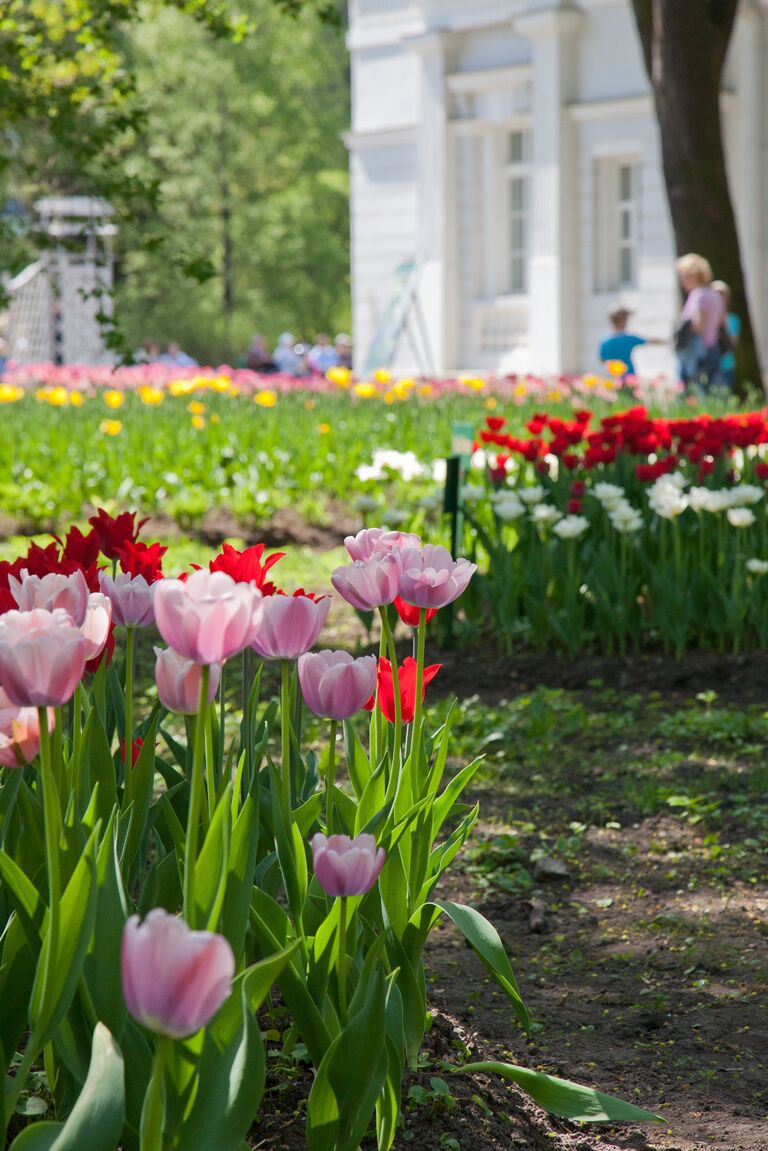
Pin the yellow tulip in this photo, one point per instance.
(324, 429)
(58, 397)
(617, 367)
(309, 405)
(426, 390)
(491, 403)
(198, 421)
(196, 407)
(365, 390)
(151, 396)
(76, 399)
(182, 387)
(9, 393)
(475, 383)
(521, 389)
(215, 418)
(265, 399)
(382, 376)
(113, 399)
(339, 376)
(110, 427)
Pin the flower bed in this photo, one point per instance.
(286, 870)
(638, 530)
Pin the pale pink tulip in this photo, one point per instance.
(55, 590)
(174, 979)
(335, 685)
(178, 681)
(377, 541)
(96, 624)
(20, 732)
(431, 578)
(208, 617)
(345, 866)
(132, 598)
(368, 584)
(284, 627)
(42, 657)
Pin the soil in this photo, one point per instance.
(645, 973)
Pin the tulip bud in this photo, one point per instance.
(51, 591)
(42, 657)
(345, 866)
(178, 681)
(174, 979)
(132, 599)
(284, 627)
(335, 685)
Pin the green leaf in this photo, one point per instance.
(142, 783)
(101, 967)
(485, 942)
(561, 1097)
(29, 904)
(358, 765)
(78, 914)
(352, 1073)
(96, 1120)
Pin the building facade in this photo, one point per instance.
(507, 184)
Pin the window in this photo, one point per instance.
(617, 197)
(517, 189)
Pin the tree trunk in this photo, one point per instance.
(684, 46)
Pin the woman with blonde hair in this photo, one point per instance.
(697, 333)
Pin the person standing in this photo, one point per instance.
(697, 336)
(322, 355)
(726, 374)
(620, 344)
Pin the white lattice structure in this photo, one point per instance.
(54, 303)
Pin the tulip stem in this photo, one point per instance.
(390, 639)
(222, 720)
(128, 757)
(420, 646)
(342, 966)
(210, 764)
(153, 1112)
(52, 821)
(195, 800)
(329, 779)
(77, 731)
(285, 733)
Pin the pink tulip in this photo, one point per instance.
(345, 866)
(206, 618)
(95, 628)
(431, 578)
(335, 685)
(132, 599)
(20, 732)
(284, 627)
(174, 979)
(377, 541)
(178, 681)
(42, 657)
(51, 591)
(368, 584)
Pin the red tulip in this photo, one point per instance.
(139, 559)
(407, 679)
(247, 566)
(115, 531)
(410, 614)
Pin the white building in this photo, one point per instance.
(507, 150)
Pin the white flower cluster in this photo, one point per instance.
(571, 527)
(507, 504)
(622, 516)
(721, 499)
(385, 460)
(757, 566)
(741, 517)
(666, 497)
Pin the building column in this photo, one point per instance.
(432, 234)
(553, 243)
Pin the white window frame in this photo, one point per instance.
(616, 223)
(515, 170)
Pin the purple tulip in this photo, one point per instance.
(345, 866)
(377, 541)
(174, 979)
(55, 590)
(178, 681)
(431, 578)
(42, 657)
(368, 584)
(335, 685)
(285, 627)
(206, 618)
(20, 732)
(132, 599)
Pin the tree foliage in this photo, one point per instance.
(214, 134)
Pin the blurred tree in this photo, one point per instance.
(684, 47)
(244, 143)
